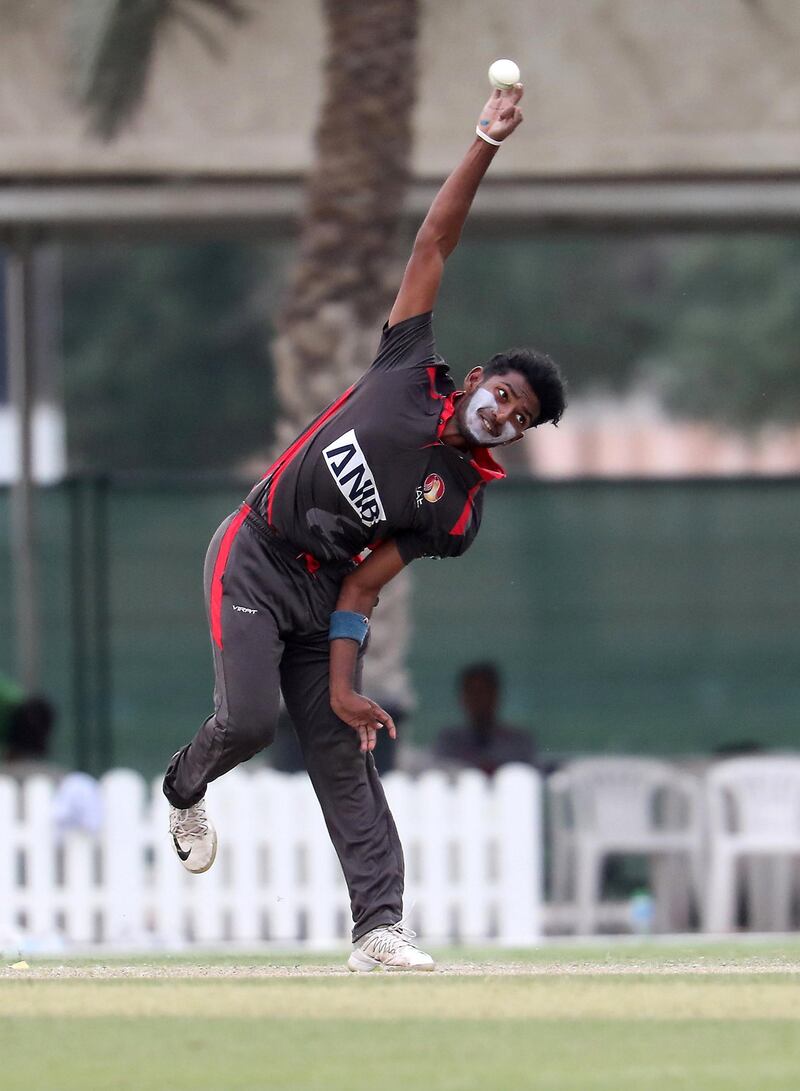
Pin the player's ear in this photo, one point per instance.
(473, 379)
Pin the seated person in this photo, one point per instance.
(28, 725)
(483, 742)
(27, 729)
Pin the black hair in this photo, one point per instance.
(543, 376)
(487, 671)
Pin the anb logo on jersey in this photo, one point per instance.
(355, 479)
(433, 488)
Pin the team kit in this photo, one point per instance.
(272, 577)
(394, 470)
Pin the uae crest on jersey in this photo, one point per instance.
(433, 488)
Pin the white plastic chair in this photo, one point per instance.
(753, 808)
(625, 806)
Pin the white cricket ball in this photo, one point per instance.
(503, 74)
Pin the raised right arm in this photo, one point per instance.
(441, 228)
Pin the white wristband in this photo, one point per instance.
(487, 138)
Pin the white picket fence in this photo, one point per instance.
(472, 845)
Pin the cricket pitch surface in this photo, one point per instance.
(649, 1015)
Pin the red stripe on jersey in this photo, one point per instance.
(434, 393)
(487, 467)
(278, 468)
(465, 516)
(448, 409)
(219, 569)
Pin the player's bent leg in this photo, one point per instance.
(246, 699)
(219, 746)
(242, 726)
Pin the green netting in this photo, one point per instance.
(654, 617)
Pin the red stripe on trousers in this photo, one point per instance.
(290, 452)
(219, 569)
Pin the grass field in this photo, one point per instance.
(711, 1016)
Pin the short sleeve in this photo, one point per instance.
(407, 344)
(411, 545)
(443, 527)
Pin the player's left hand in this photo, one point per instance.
(366, 717)
(501, 114)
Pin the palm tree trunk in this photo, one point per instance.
(348, 269)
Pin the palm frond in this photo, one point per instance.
(184, 11)
(115, 42)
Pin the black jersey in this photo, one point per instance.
(372, 467)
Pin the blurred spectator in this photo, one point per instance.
(78, 804)
(483, 742)
(27, 727)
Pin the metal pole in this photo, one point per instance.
(80, 657)
(23, 541)
(104, 741)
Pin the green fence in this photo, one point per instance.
(655, 617)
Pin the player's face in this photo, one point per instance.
(497, 410)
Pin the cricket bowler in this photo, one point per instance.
(395, 469)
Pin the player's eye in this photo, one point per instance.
(501, 390)
(521, 419)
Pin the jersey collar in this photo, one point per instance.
(481, 460)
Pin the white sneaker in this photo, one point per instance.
(193, 837)
(389, 946)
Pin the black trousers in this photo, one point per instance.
(269, 620)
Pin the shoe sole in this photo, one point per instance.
(202, 870)
(362, 963)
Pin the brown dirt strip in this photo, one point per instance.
(156, 971)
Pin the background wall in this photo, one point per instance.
(613, 87)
